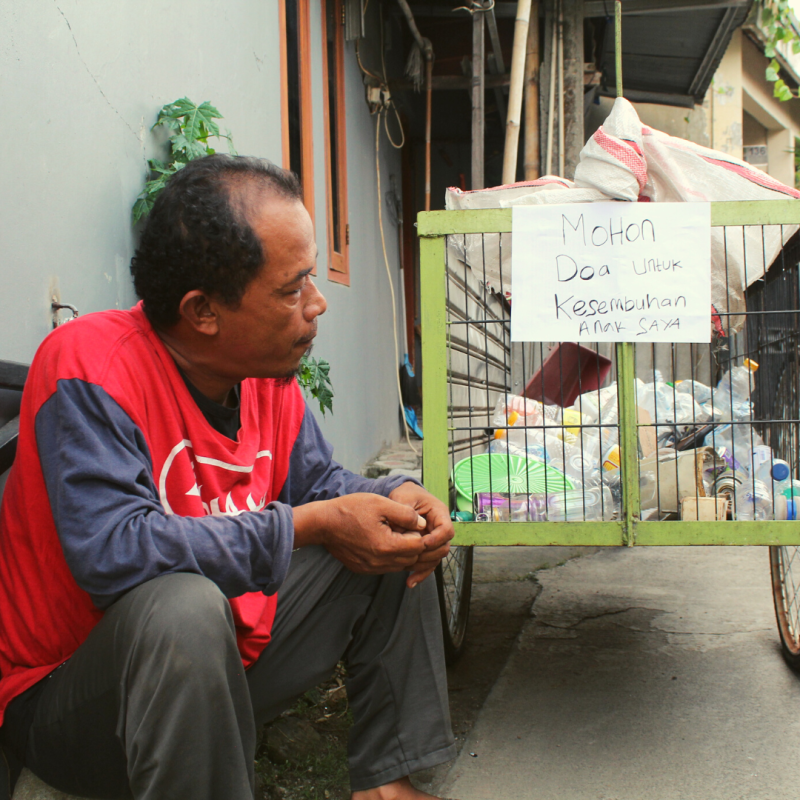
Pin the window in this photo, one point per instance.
(298, 153)
(335, 143)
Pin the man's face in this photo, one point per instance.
(268, 333)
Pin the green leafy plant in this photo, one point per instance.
(777, 23)
(314, 380)
(189, 127)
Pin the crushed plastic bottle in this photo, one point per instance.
(733, 443)
(688, 412)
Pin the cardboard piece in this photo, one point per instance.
(668, 476)
(704, 509)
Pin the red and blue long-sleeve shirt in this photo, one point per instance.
(119, 478)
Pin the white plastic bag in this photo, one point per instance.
(626, 160)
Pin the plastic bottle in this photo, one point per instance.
(612, 458)
(732, 443)
(754, 501)
(612, 480)
(696, 390)
(590, 504)
(582, 471)
(761, 459)
(793, 490)
(657, 399)
(775, 472)
(544, 446)
(732, 397)
(588, 444)
(648, 489)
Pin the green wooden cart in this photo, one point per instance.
(463, 322)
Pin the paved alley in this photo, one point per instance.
(642, 673)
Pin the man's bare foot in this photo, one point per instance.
(396, 790)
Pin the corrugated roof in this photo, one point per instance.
(670, 57)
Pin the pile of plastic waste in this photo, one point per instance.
(701, 444)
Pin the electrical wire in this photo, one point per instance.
(364, 69)
(389, 275)
(399, 125)
(381, 109)
(390, 101)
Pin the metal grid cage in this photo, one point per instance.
(590, 443)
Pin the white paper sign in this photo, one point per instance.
(611, 272)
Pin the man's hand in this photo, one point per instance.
(366, 532)
(438, 528)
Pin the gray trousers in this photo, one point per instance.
(155, 703)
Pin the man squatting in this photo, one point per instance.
(180, 557)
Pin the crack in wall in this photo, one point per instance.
(91, 75)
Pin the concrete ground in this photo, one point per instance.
(641, 673)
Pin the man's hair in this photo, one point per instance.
(198, 236)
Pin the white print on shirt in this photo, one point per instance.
(213, 507)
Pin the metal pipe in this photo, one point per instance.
(561, 137)
(478, 116)
(428, 114)
(496, 63)
(515, 92)
(618, 44)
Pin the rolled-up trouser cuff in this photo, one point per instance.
(360, 783)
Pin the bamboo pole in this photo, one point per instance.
(531, 143)
(515, 91)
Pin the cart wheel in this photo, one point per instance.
(454, 584)
(785, 567)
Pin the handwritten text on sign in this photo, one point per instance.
(611, 272)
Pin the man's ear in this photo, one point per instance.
(200, 312)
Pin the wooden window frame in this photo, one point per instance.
(338, 261)
(306, 127)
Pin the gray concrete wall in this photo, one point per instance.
(80, 86)
(356, 332)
